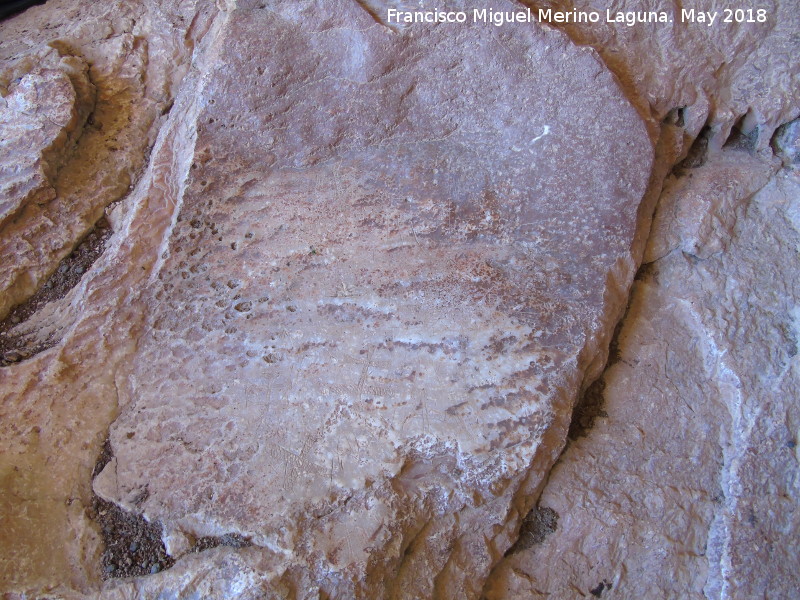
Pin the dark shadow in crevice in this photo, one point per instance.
(588, 408)
(132, 546)
(698, 152)
(540, 522)
(739, 140)
(18, 347)
(676, 117)
(590, 405)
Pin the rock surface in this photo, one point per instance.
(687, 484)
(358, 277)
(57, 406)
(381, 353)
(43, 114)
(102, 120)
(736, 72)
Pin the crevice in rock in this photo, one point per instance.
(590, 405)
(676, 117)
(540, 522)
(738, 139)
(588, 408)
(232, 540)
(698, 152)
(16, 347)
(133, 546)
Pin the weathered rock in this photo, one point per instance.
(738, 71)
(384, 288)
(42, 116)
(687, 486)
(92, 153)
(57, 405)
(786, 142)
(356, 287)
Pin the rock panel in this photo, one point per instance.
(383, 291)
(345, 314)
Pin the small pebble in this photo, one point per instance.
(133, 547)
(110, 568)
(79, 270)
(63, 269)
(155, 569)
(11, 357)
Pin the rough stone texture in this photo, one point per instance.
(101, 120)
(56, 407)
(366, 433)
(687, 486)
(397, 296)
(43, 114)
(786, 142)
(358, 278)
(654, 502)
(720, 76)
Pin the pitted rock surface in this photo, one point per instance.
(383, 288)
(356, 277)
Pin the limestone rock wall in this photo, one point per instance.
(685, 486)
(299, 303)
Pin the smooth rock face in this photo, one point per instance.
(380, 295)
(687, 486)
